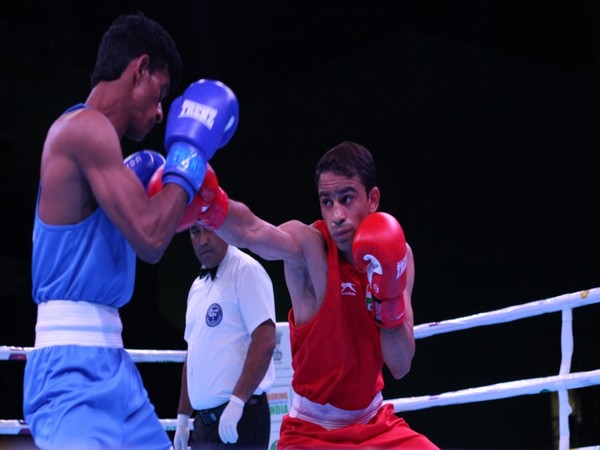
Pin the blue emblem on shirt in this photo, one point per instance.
(214, 315)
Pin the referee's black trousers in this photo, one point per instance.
(254, 427)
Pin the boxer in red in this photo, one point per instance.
(350, 278)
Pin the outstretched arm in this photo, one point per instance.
(242, 228)
(236, 224)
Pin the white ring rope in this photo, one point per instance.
(138, 356)
(560, 383)
(499, 390)
(510, 314)
(564, 407)
(16, 427)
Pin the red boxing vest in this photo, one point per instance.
(336, 356)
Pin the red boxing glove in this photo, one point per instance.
(208, 207)
(191, 211)
(379, 248)
(215, 202)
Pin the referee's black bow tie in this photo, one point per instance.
(206, 271)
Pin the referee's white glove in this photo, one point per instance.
(229, 420)
(182, 432)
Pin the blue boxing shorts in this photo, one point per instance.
(85, 397)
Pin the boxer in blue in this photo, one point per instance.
(93, 217)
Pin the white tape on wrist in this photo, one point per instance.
(183, 420)
(237, 400)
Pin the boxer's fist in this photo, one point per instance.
(214, 202)
(379, 248)
(191, 211)
(209, 207)
(199, 122)
(144, 164)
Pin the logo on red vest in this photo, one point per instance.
(348, 288)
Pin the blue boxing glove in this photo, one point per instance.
(144, 163)
(199, 122)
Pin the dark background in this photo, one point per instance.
(483, 120)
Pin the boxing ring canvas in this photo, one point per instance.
(281, 394)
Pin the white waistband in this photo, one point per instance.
(66, 322)
(330, 417)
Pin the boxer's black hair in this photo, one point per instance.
(349, 159)
(130, 36)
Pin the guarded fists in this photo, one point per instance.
(199, 122)
(379, 248)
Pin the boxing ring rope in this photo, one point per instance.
(560, 383)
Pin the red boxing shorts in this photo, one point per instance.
(385, 430)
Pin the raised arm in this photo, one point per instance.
(380, 249)
(398, 344)
(82, 167)
(85, 145)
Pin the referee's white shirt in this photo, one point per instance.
(220, 318)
